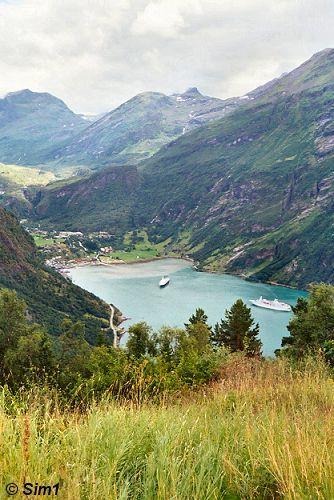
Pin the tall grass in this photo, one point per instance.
(264, 431)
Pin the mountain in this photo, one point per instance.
(32, 124)
(315, 73)
(16, 181)
(140, 126)
(39, 129)
(49, 296)
(105, 199)
(251, 193)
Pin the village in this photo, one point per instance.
(64, 249)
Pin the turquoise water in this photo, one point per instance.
(134, 289)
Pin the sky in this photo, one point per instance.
(96, 54)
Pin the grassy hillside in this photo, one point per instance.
(25, 176)
(16, 181)
(265, 431)
(49, 296)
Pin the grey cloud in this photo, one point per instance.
(96, 54)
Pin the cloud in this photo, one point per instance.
(165, 18)
(94, 54)
(159, 18)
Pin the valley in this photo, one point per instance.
(246, 189)
(167, 250)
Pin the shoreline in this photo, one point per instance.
(118, 262)
(143, 261)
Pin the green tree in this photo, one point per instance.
(25, 348)
(238, 331)
(195, 368)
(328, 350)
(140, 342)
(13, 320)
(33, 357)
(74, 354)
(107, 369)
(312, 325)
(167, 341)
(199, 336)
(198, 317)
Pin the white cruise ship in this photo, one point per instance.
(275, 305)
(164, 281)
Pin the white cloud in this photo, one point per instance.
(165, 18)
(95, 54)
(159, 18)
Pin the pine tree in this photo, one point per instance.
(198, 317)
(238, 331)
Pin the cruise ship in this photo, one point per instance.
(275, 305)
(164, 282)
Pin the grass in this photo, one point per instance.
(133, 255)
(25, 176)
(41, 241)
(264, 431)
(141, 250)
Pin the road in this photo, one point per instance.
(112, 327)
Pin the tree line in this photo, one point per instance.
(152, 362)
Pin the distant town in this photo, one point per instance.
(65, 249)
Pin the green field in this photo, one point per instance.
(138, 250)
(265, 431)
(25, 176)
(133, 255)
(41, 241)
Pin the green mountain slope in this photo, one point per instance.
(251, 193)
(32, 124)
(139, 127)
(15, 183)
(49, 296)
(39, 129)
(248, 193)
(255, 191)
(105, 199)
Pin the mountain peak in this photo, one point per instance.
(18, 93)
(29, 95)
(192, 92)
(29, 98)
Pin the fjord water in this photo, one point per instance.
(134, 289)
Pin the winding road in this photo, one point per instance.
(112, 327)
(118, 332)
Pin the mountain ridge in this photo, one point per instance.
(251, 193)
(37, 128)
(30, 125)
(139, 127)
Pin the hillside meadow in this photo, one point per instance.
(263, 430)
